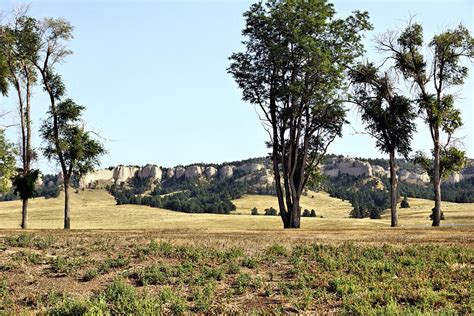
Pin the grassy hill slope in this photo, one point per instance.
(97, 210)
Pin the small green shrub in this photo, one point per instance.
(249, 262)
(233, 268)
(66, 265)
(404, 203)
(202, 299)
(276, 250)
(20, 241)
(90, 275)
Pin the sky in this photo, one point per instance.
(152, 76)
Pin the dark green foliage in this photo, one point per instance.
(293, 69)
(389, 117)
(460, 192)
(308, 213)
(443, 69)
(30, 240)
(81, 152)
(191, 196)
(365, 197)
(254, 211)
(25, 184)
(404, 203)
(271, 212)
(451, 160)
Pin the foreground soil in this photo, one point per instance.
(177, 271)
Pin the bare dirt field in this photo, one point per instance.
(139, 260)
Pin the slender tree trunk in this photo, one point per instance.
(437, 186)
(393, 190)
(24, 214)
(67, 219)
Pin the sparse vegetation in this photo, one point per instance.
(187, 274)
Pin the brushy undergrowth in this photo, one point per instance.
(166, 278)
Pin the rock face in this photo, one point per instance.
(350, 166)
(380, 171)
(150, 171)
(123, 173)
(453, 178)
(412, 177)
(251, 167)
(210, 172)
(170, 173)
(226, 171)
(99, 175)
(256, 172)
(192, 172)
(179, 172)
(264, 177)
(120, 174)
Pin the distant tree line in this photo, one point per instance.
(460, 192)
(368, 200)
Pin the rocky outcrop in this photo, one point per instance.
(352, 167)
(380, 171)
(123, 173)
(192, 172)
(120, 174)
(210, 172)
(257, 172)
(250, 167)
(413, 177)
(170, 173)
(179, 172)
(262, 177)
(99, 175)
(226, 171)
(152, 172)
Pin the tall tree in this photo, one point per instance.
(66, 141)
(293, 70)
(433, 79)
(389, 118)
(18, 44)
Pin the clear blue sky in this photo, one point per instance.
(152, 75)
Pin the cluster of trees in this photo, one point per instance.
(301, 64)
(30, 50)
(460, 192)
(370, 200)
(366, 197)
(185, 195)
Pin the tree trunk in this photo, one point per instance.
(437, 186)
(393, 190)
(295, 215)
(24, 214)
(67, 219)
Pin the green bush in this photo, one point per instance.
(271, 212)
(404, 203)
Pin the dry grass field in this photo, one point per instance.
(122, 260)
(97, 210)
